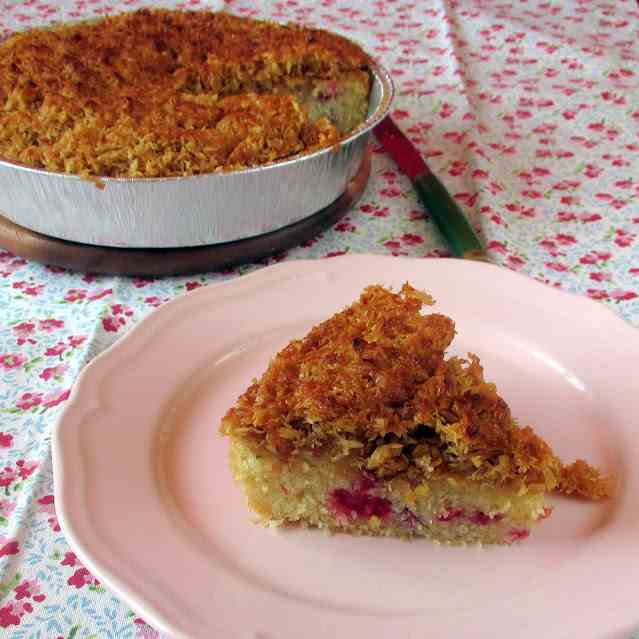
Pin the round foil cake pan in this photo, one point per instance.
(191, 211)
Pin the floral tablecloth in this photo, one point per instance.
(529, 112)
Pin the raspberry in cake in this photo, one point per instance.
(157, 93)
(365, 426)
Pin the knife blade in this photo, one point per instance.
(445, 212)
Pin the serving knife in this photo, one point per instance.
(445, 212)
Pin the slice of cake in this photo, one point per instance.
(364, 426)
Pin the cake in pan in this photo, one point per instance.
(365, 426)
(158, 93)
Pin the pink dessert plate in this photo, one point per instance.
(146, 499)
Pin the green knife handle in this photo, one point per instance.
(448, 217)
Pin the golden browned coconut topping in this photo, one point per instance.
(373, 381)
(161, 93)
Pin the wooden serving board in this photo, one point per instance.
(178, 261)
